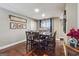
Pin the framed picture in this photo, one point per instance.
(12, 25)
(17, 19)
(17, 22)
(24, 26)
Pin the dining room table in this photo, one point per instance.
(40, 42)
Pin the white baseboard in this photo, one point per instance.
(12, 44)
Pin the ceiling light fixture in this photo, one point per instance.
(43, 15)
(36, 10)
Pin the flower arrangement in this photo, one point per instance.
(74, 33)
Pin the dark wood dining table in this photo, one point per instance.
(42, 43)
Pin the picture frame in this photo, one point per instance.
(17, 22)
(12, 25)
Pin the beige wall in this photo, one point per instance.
(33, 25)
(58, 27)
(78, 15)
(71, 10)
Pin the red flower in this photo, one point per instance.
(74, 33)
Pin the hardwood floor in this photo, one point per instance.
(59, 48)
(17, 50)
(20, 50)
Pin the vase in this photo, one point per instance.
(73, 42)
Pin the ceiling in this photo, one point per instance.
(27, 9)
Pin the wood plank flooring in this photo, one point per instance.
(20, 50)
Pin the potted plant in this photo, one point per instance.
(74, 37)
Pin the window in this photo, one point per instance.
(45, 24)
